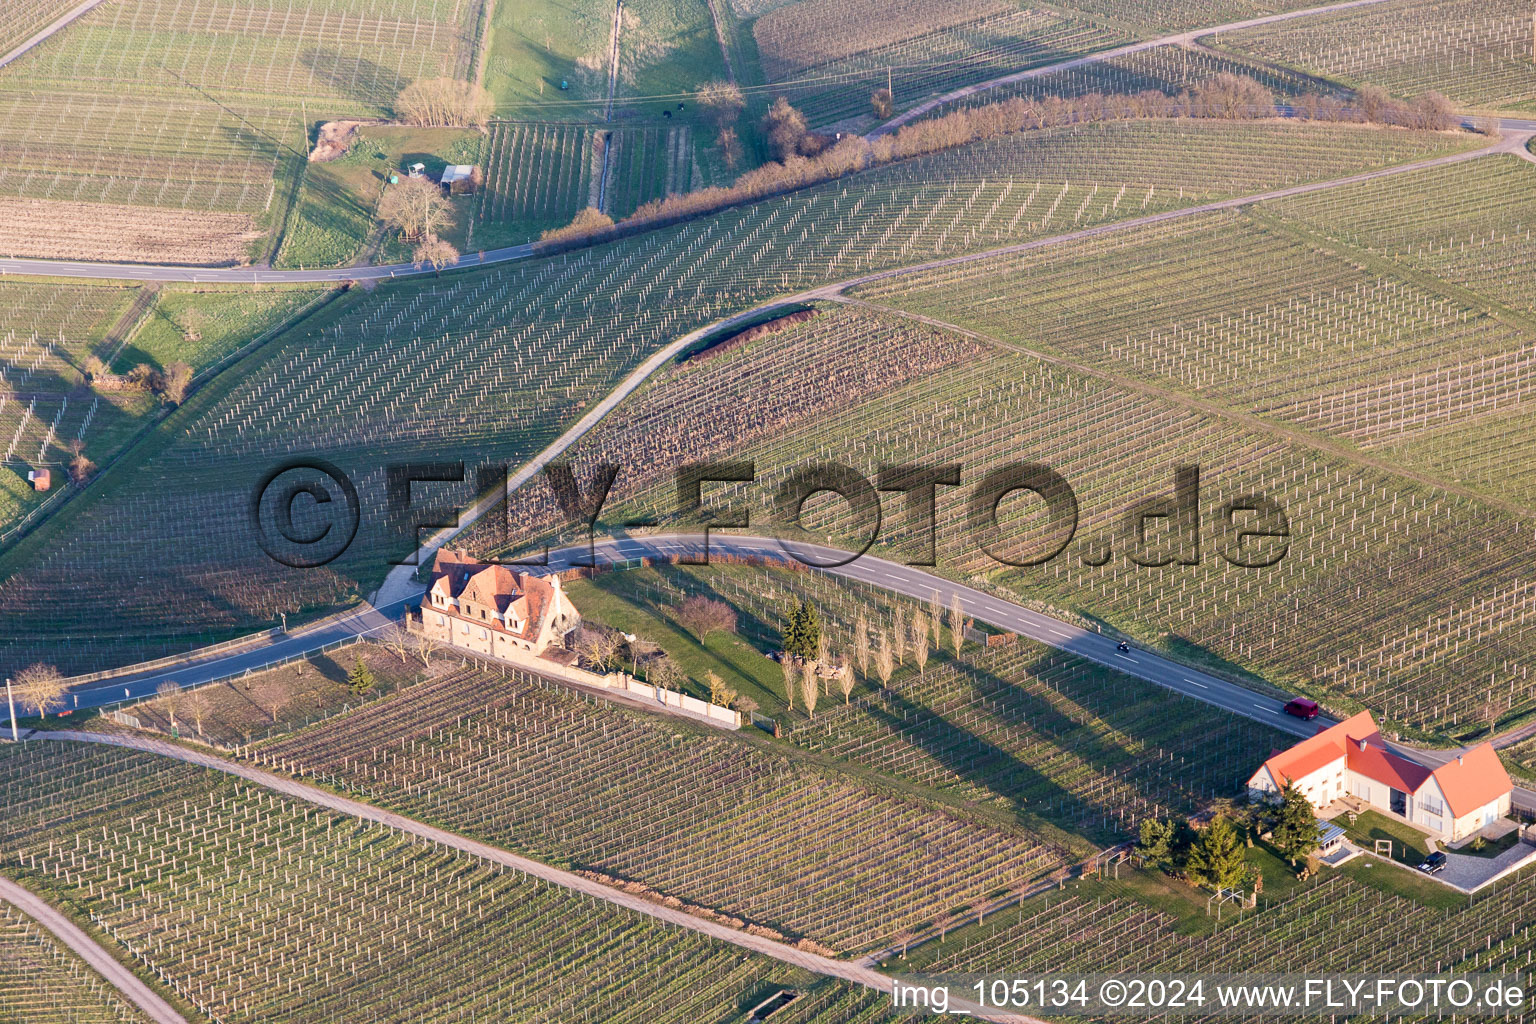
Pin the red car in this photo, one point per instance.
(1302, 708)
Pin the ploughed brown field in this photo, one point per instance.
(52, 228)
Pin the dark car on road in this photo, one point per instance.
(1302, 708)
(1433, 864)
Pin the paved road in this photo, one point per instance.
(1177, 39)
(846, 970)
(365, 620)
(244, 275)
(57, 26)
(83, 946)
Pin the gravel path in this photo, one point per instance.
(85, 947)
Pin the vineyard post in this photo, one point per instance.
(10, 700)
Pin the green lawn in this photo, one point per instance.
(1409, 845)
(1400, 881)
(536, 44)
(608, 600)
(201, 327)
(334, 218)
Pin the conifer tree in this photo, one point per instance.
(360, 680)
(1295, 824)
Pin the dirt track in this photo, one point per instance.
(83, 946)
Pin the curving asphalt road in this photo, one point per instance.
(847, 970)
(83, 946)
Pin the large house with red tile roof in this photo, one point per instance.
(491, 609)
(1452, 801)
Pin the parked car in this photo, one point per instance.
(1301, 707)
(1433, 864)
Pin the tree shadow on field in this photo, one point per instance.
(356, 78)
(1026, 789)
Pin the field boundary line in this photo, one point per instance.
(293, 789)
(95, 956)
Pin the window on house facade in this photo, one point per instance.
(1431, 805)
(441, 620)
(484, 634)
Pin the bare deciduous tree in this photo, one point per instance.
(271, 695)
(664, 672)
(722, 101)
(40, 687)
(169, 695)
(957, 623)
(176, 379)
(899, 634)
(786, 128)
(702, 616)
(810, 686)
(845, 682)
(199, 706)
(935, 616)
(882, 103)
(399, 641)
(791, 672)
(444, 103)
(861, 644)
(598, 646)
(885, 662)
(435, 252)
(641, 648)
(425, 646)
(416, 208)
(920, 641)
(731, 151)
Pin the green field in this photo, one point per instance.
(535, 46)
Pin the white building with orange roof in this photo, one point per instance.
(1453, 801)
(491, 609)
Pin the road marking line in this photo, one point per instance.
(1261, 707)
(1059, 632)
(1201, 685)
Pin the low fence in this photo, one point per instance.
(673, 699)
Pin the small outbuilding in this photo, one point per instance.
(40, 479)
(417, 170)
(459, 179)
